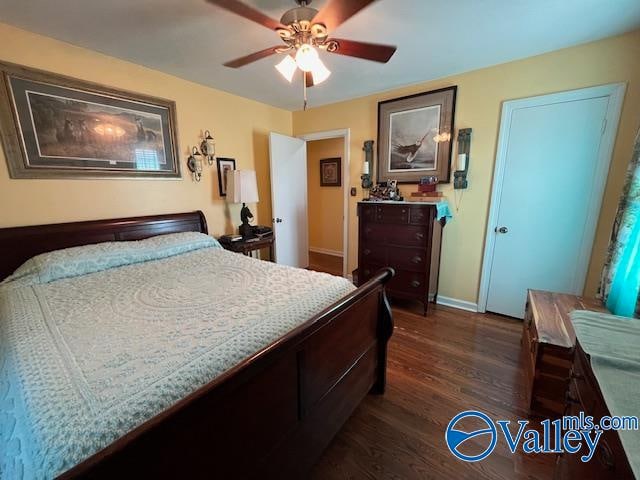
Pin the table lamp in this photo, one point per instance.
(242, 187)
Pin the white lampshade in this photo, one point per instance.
(242, 186)
(287, 67)
(320, 72)
(307, 58)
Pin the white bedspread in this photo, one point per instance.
(84, 360)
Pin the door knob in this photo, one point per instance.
(276, 220)
(502, 230)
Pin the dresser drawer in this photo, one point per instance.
(421, 215)
(413, 259)
(412, 284)
(367, 212)
(609, 462)
(366, 270)
(385, 213)
(372, 252)
(411, 235)
(584, 388)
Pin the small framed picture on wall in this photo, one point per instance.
(331, 172)
(225, 165)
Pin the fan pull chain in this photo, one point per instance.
(304, 87)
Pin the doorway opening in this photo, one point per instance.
(327, 197)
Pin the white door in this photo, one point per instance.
(289, 199)
(553, 162)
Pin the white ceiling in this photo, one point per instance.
(435, 38)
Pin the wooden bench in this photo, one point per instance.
(548, 342)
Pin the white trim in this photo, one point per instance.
(615, 92)
(459, 304)
(344, 133)
(326, 251)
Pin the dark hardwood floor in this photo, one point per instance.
(439, 366)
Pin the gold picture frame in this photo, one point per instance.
(53, 126)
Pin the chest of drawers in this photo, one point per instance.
(406, 237)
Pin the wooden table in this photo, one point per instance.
(548, 342)
(246, 247)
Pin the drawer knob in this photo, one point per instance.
(415, 284)
(366, 251)
(417, 259)
(404, 210)
(367, 230)
(419, 235)
(367, 272)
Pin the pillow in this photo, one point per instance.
(71, 262)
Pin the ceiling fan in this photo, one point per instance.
(304, 31)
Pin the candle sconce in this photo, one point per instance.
(462, 167)
(366, 166)
(194, 164)
(208, 147)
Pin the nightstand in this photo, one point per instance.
(246, 247)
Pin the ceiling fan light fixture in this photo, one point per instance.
(320, 73)
(287, 68)
(307, 58)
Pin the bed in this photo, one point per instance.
(194, 362)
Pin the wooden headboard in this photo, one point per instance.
(18, 244)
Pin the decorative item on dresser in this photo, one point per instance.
(548, 341)
(406, 237)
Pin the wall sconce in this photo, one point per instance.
(366, 166)
(194, 164)
(462, 167)
(208, 147)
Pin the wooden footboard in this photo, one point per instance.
(272, 415)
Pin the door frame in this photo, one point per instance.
(345, 134)
(615, 92)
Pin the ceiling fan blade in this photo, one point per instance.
(336, 12)
(309, 79)
(248, 12)
(252, 57)
(368, 51)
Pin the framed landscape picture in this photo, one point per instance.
(331, 172)
(414, 136)
(225, 165)
(57, 127)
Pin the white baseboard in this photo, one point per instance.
(326, 251)
(455, 303)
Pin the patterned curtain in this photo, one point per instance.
(620, 282)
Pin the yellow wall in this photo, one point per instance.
(325, 203)
(240, 127)
(480, 94)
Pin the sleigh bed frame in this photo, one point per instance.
(270, 416)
